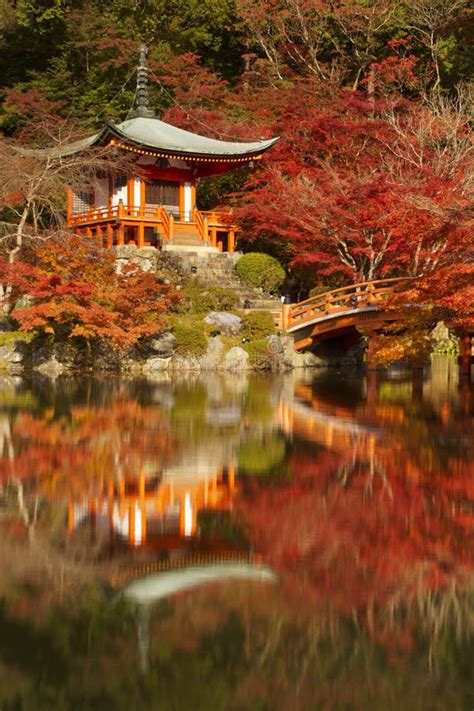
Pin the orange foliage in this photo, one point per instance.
(76, 291)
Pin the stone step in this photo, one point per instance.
(187, 241)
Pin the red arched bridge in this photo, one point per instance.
(335, 313)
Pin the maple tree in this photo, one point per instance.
(74, 290)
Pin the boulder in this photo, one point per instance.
(185, 363)
(11, 357)
(236, 359)
(51, 367)
(164, 344)
(212, 359)
(227, 323)
(153, 365)
(308, 360)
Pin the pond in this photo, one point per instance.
(230, 543)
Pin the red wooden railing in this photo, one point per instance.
(337, 301)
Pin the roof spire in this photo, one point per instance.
(142, 103)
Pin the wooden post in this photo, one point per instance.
(130, 195)
(213, 236)
(120, 234)
(120, 231)
(98, 232)
(205, 229)
(88, 232)
(285, 316)
(171, 228)
(141, 235)
(182, 216)
(465, 357)
(141, 211)
(69, 205)
(231, 241)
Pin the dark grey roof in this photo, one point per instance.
(157, 135)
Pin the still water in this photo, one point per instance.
(293, 543)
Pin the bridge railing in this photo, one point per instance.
(347, 298)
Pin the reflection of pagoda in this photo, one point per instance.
(155, 512)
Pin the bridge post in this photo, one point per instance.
(372, 340)
(285, 316)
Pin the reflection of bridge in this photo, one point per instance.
(337, 430)
(339, 312)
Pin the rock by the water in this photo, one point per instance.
(228, 324)
(236, 359)
(152, 365)
(213, 357)
(181, 362)
(307, 360)
(51, 367)
(11, 357)
(164, 345)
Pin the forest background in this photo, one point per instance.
(372, 99)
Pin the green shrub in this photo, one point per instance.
(261, 270)
(257, 324)
(12, 336)
(190, 336)
(260, 356)
(201, 299)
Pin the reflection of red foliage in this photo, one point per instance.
(67, 453)
(361, 533)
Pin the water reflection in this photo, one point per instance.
(353, 497)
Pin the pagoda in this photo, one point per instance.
(155, 205)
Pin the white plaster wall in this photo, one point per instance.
(136, 192)
(188, 197)
(120, 194)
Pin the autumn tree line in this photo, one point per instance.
(373, 174)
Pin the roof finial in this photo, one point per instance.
(142, 103)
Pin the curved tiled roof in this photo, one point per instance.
(155, 135)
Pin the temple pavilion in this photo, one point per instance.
(155, 205)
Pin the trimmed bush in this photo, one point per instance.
(260, 356)
(191, 339)
(257, 324)
(261, 270)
